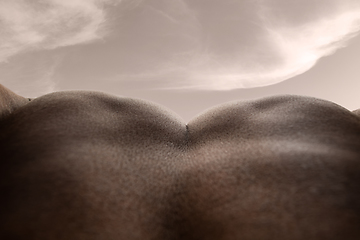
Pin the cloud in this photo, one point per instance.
(299, 38)
(244, 44)
(48, 24)
(183, 44)
(294, 49)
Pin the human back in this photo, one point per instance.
(85, 165)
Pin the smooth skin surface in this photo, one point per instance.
(87, 165)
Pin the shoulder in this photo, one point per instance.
(257, 169)
(90, 115)
(87, 162)
(278, 119)
(276, 110)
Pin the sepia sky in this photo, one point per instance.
(187, 55)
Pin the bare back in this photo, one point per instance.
(83, 165)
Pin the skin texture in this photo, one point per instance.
(86, 165)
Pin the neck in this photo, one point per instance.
(10, 101)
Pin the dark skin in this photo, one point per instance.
(86, 165)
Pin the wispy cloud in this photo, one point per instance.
(28, 25)
(299, 37)
(188, 44)
(293, 50)
(244, 44)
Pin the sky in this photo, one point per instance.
(186, 55)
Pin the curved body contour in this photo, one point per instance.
(85, 165)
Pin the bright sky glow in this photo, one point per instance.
(186, 44)
(33, 25)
